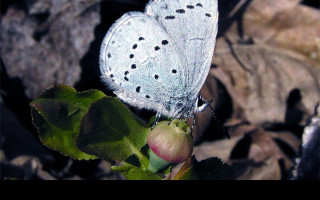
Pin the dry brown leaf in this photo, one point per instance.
(260, 78)
(288, 137)
(272, 77)
(282, 61)
(220, 148)
(43, 46)
(268, 169)
(284, 23)
(251, 151)
(263, 146)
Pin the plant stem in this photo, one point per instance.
(143, 159)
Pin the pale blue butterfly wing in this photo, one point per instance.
(138, 60)
(160, 59)
(193, 25)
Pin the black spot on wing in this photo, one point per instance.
(170, 17)
(165, 42)
(190, 6)
(180, 11)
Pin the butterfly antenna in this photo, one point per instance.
(218, 121)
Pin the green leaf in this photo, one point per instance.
(112, 132)
(209, 169)
(57, 114)
(134, 173)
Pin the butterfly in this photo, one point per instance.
(159, 60)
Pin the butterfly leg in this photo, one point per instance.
(156, 120)
(193, 123)
(176, 115)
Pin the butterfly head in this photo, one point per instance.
(180, 107)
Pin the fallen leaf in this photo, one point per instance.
(44, 45)
(250, 149)
(261, 78)
(267, 169)
(286, 24)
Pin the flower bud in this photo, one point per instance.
(169, 144)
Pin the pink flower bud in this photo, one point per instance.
(170, 143)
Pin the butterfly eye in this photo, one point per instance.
(200, 102)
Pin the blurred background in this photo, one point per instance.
(265, 82)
